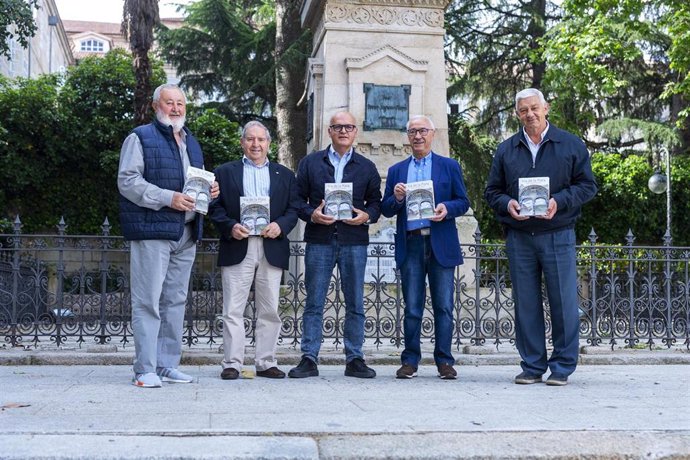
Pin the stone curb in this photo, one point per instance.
(10, 357)
(505, 445)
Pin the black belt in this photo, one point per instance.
(426, 231)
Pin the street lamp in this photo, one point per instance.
(660, 183)
(52, 22)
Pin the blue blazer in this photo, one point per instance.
(449, 189)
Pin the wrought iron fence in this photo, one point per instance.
(60, 288)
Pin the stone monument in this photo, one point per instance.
(383, 61)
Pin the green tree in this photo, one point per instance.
(610, 60)
(625, 203)
(492, 47)
(16, 20)
(219, 137)
(225, 50)
(60, 139)
(475, 154)
(249, 56)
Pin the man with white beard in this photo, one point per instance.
(163, 228)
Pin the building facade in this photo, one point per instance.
(48, 50)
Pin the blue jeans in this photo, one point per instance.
(553, 255)
(319, 261)
(420, 262)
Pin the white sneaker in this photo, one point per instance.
(172, 375)
(148, 380)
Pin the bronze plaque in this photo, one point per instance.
(386, 107)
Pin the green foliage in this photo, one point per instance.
(226, 49)
(491, 47)
(61, 137)
(608, 60)
(218, 136)
(678, 23)
(16, 21)
(474, 152)
(625, 203)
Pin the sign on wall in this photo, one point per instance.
(386, 107)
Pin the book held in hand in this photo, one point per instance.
(419, 200)
(338, 198)
(255, 213)
(198, 186)
(533, 196)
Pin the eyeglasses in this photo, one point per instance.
(422, 131)
(339, 128)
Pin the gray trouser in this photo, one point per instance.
(159, 278)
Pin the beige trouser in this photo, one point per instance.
(237, 280)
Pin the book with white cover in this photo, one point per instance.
(198, 186)
(419, 200)
(338, 197)
(255, 213)
(533, 196)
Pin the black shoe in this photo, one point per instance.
(527, 378)
(271, 373)
(407, 371)
(446, 372)
(358, 368)
(556, 379)
(230, 373)
(305, 368)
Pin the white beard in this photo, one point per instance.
(177, 124)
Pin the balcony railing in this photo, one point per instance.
(60, 288)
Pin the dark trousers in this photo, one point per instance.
(553, 256)
(419, 264)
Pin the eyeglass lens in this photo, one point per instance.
(348, 128)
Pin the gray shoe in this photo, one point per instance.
(147, 380)
(557, 380)
(172, 375)
(527, 378)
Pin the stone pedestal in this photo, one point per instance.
(380, 42)
(395, 46)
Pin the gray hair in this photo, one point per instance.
(253, 123)
(420, 117)
(157, 91)
(529, 92)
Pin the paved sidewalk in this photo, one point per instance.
(609, 411)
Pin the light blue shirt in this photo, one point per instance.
(338, 162)
(256, 180)
(418, 171)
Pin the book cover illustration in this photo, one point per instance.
(198, 186)
(419, 200)
(255, 213)
(533, 196)
(338, 197)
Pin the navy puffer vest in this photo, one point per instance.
(162, 167)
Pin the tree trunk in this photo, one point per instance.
(139, 17)
(290, 71)
(536, 30)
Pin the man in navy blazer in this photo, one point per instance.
(542, 248)
(332, 242)
(245, 258)
(426, 247)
